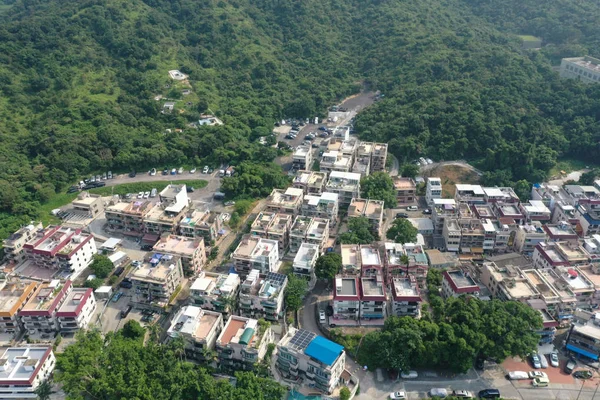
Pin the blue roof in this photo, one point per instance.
(591, 220)
(324, 350)
(582, 352)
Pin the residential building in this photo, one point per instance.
(562, 232)
(585, 69)
(335, 161)
(508, 283)
(509, 210)
(373, 296)
(76, 310)
(61, 248)
(311, 182)
(303, 354)
(535, 210)
(528, 236)
(270, 225)
(39, 313)
(406, 297)
(351, 259)
(417, 262)
(433, 191)
(362, 164)
(379, 157)
(346, 147)
(592, 244)
(88, 204)
(346, 185)
(588, 215)
(370, 209)
(256, 253)
(242, 343)
(346, 298)
(23, 369)
(305, 260)
(210, 120)
(309, 230)
(439, 259)
(442, 209)
(406, 190)
(456, 283)
(201, 223)
(191, 251)
(550, 324)
(157, 279)
(14, 245)
(578, 283)
(215, 292)
(470, 194)
(556, 297)
(262, 296)
(500, 195)
(556, 254)
(302, 158)
(424, 226)
(13, 297)
(286, 202)
(564, 213)
(166, 215)
(325, 205)
(128, 217)
(583, 339)
(370, 260)
(199, 330)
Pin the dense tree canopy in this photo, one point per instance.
(328, 265)
(402, 231)
(294, 292)
(359, 232)
(379, 186)
(101, 266)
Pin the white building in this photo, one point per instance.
(243, 342)
(346, 185)
(302, 158)
(586, 69)
(305, 260)
(199, 330)
(256, 253)
(301, 353)
(215, 292)
(39, 313)
(262, 296)
(406, 297)
(22, 369)
(528, 236)
(325, 205)
(76, 311)
(14, 245)
(434, 190)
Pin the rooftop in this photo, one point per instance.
(46, 298)
(290, 197)
(404, 184)
(179, 245)
(369, 255)
(405, 287)
(21, 364)
(301, 152)
(306, 253)
(350, 255)
(240, 330)
(74, 301)
(155, 268)
(324, 350)
(251, 247)
(194, 322)
(13, 295)
(325, 197)
(217, 284)
(346, 286)
(372, 286)
(422, 224)
(461, 280)
(473, 189)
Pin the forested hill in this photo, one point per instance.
(78, 81)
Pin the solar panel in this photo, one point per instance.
(276, 278)
(302, 338)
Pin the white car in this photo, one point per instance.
(140, 195)
(412, 208)
(439, 392)
(398, 395)
(554, 359)
(180, 170)
(193, 171)
(537, 374)
(518, 375)
(153, 172)
(322, 317)
(429, 161)
(146, 195)
(463, 394)
(409, 375)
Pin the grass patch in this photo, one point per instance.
(451, 175)
(4, 8)
(137, 187)
(57, 201)
(569, 165)
(529, 38)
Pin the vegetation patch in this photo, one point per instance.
(451, 175)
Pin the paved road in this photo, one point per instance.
(145, 177)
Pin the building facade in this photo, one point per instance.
(256, 253)
(77, 310)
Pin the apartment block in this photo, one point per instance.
(261, 296)
(508, 283)
(470, 194)
(379, 157)
(215, 292)
(370, 209)
(305, 260)
(286, 202)
(39, 313)
(302, 158)
(556, 254)
(370, 259)
(166, 215)
(14, 245)
(452, 234)
(77, 310)
(500, 195)
(191, 251)
(335, 161)
(201, 224)
(128, 217)
(509, 211)
(61, 248)
(13, 297)
(199, 330)
(318, 361)
(346, 185)
(562, 232)
(536, 210)
(442, 209)
(406, 297)
(157, 279)
(417, 267)
(309, 230)
(311, 182)
(345, 147)
(528, 236)
(351, 259)
(406, 190)
(433, 190)
(274, 226)
(557, 297)
(23, 369)
(362, 163)
(256, 253)
(373, 296)
(242, 343)
(588, 216)
(592, 244)
(585, 69)
(346, 298)
(456, 283)
(325, 205)
(88, 204)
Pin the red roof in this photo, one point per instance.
(47, 312)
(82, 302)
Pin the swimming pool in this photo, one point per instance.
(299, 396)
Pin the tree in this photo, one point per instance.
(101, 266)
(328, 265)
(379, 186)
(588, 178)
(294, 292)
(93, 283)
(44, 390)
(409, 170)
(133, 330)
(402, 231)
(345, 393)
(359, 232)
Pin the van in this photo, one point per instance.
(489, 394)
(541, 382)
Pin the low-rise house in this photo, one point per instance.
(23, 369)
(470, 194)
(424, 226)
(166, 215)
(308, 230)
(286, 202)
(406, 190)
(351, 260)
(406, 297)
(335, 161)
(216, 292)
(456, 283)
(442, 260)
(13, 297)
(273, 226)
(433, 190)
(302, 158)
(128, 217)
(588, 215)
(370, 209)
(535, 210)
(303, 354)
(563, 232)
(262, 296)
(346, 298)
(508, 283)
(157, 279)
(509, 210)
(362, 163)
(373, 297)
(88, 204)
(199, 330)
(346, 185)
(325, 205)
(39, 313)
(201, 223)
(191, 251)
(14, 245)
(311, 182)
(528, 236)
(417, 262)
(379, 157)
(76, 311)
(500, 195)
(305, 260)
(242, 343)
(256, 253)
(370, 259)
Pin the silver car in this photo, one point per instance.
(553, 359)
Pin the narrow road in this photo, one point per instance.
(145, 177)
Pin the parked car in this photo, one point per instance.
(543, 361)
(438, 392)
(165, 171)
(463, 394)
(146, 195)
(535, 360)
(583, 374)
(429, 160)
(398, 395)
(153, 192)
(537, 374)
(174, 171)
(117, 296)
(110, 175)
(180, 170)
(128, 195)
(189, 189)
(322, 318)
(409, 375)
(153, 172)
(412, 208)
(402, 215)
(140, 195)
(489, 394)
(205, 169)
(73, 189)
(98, 178)
(132, 174)
(554, 359)
(541, 382)
(126, 284)
(118, 271)
(426, 211)
(104, 176)
(229, 203)
(126, 311)
(193, 170)
(570, 366)
(517, 375)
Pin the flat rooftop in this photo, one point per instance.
(317, 227)
(193, 321)
(21, 363)
(218, 283)
(346, 287)
(44, 298)
(369, 255)
(74, 299)
(403, 287)
(349, 254)
(288, 197)
(155, 269)
(326, 197)
(306, 253)
(13, 295)
(565, 230)
(301, 152)
(461, 280)
(134, 207)
(236, 329)
(371, 287)
(254, 247)
(263, 220)
(509, 210)
(474, 189)
(588, 330)
(177, 245)
(404, 184)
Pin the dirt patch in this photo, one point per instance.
(360, 330)
(451, 175)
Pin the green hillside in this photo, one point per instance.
(78, 82)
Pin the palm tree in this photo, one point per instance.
(404, 259)
(44, 390)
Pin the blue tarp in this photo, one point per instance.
(582, 352)
(323, 350)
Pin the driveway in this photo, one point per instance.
(145, 177)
